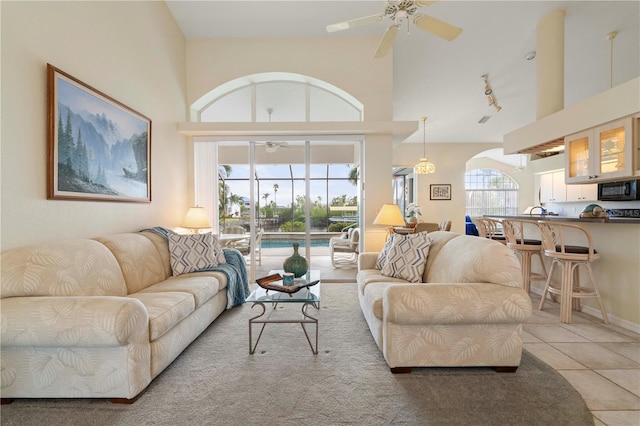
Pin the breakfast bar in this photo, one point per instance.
(617, 272)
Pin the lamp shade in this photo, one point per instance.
(389, 215)
(196, 218)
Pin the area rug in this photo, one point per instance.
(216, 382)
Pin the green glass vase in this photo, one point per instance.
(295, 263)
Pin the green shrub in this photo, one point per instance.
(295, 226)
(337, 227)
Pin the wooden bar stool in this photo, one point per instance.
(569, 257)
(515, 231)
(490, 228)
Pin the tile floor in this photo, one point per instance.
(601, 361)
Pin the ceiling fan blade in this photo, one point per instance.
(386, 42)
(354, 23)
(437, 27)
(422, 3)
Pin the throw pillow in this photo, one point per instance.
(382, 256)
(191, 253)
(407, 257)
(217, 250)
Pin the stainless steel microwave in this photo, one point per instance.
(626, 190)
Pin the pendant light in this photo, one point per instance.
(424, 166)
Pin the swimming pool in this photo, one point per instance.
(288, 243)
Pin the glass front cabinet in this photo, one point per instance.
(602, 153)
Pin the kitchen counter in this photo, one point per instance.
(617, 270)
(570, 219)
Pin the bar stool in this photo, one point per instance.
(569, 257)
(490, 228)
(515, 230)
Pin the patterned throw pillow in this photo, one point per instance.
(407, 257)
(382, 256)
(217, 250)
(191, 253)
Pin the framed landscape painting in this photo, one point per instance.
(98, 148)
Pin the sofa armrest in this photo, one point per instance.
(455, 303)
(367, 260)
(73, 321)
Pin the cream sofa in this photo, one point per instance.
(98, 318)
(468, 311)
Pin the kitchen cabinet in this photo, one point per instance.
(600, 154)
(584, 192)
(552, 187)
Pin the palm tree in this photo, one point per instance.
(275, 193)
(353, 176)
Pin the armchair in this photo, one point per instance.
(344, 251)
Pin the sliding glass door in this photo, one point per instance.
(286, 192)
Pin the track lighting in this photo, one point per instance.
(488, 91)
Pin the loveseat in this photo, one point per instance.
(466, 310)
(99, 318)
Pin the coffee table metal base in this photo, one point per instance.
(306, 319)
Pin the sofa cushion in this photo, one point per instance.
(165, 310)
(469, 259)
(191, 253)
(407, 257)
(66, 268)
(202, 288)
(139, 259)
(368, 276)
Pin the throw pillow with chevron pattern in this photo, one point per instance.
(382, 256)
(191, 253)
(407, 257)
(217, 250)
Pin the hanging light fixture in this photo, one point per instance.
(424, 166)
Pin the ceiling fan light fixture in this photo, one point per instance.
(424, 167)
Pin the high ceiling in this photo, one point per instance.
(442, 79)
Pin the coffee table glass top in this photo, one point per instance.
(305, 295)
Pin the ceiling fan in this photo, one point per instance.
(271, 147)
(399, 12)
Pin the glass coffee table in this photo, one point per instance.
(309, 296)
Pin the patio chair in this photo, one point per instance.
(245, 247)
(344, 251)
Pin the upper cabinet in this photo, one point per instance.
(600, 154)
(552, 188)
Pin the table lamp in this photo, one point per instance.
(195, 219)
(389, 215)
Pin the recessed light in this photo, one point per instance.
(530, 56)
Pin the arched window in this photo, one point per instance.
(490, 192)
(276, 97)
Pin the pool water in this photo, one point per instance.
(287, 243)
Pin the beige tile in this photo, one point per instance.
(634, 336)
(597, 332)
(552, 357)
(628, 379)
(595, 356)
(597, 422)
(600, 393)
(529, 338)
(630, 350)
(617, 418)
(552, 333)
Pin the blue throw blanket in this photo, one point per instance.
(235, 270)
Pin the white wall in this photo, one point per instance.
(344, 62)
(131, 51)
(450, 161)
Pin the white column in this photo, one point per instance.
(550, 63)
